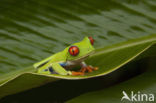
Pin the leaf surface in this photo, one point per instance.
(107, 59)
(35, 29)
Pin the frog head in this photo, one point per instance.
(81, 50)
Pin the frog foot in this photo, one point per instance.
(77, 73)
(94, 68)
(88, 68)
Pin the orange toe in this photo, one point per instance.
(77, 73)
(89, 69)
(83, 70)
(95, 68)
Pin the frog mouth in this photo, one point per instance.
(82, 58)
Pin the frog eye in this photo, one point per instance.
(91, 40)
(73, 50)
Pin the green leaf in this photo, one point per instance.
(33, 30)
(107, 59)
(145, 84)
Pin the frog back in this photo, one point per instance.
(58, 57)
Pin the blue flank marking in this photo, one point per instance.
(63, 64)
(52, 70)
(45, 69)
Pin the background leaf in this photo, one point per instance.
(34, 27)
(115, 55)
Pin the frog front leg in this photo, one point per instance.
(60, 70)
(85, 67)
(56, 68)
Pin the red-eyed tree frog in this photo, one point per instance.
(72, 56)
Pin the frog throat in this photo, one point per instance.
(82, 58)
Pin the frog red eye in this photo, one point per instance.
(73, 50)
(91, 40)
